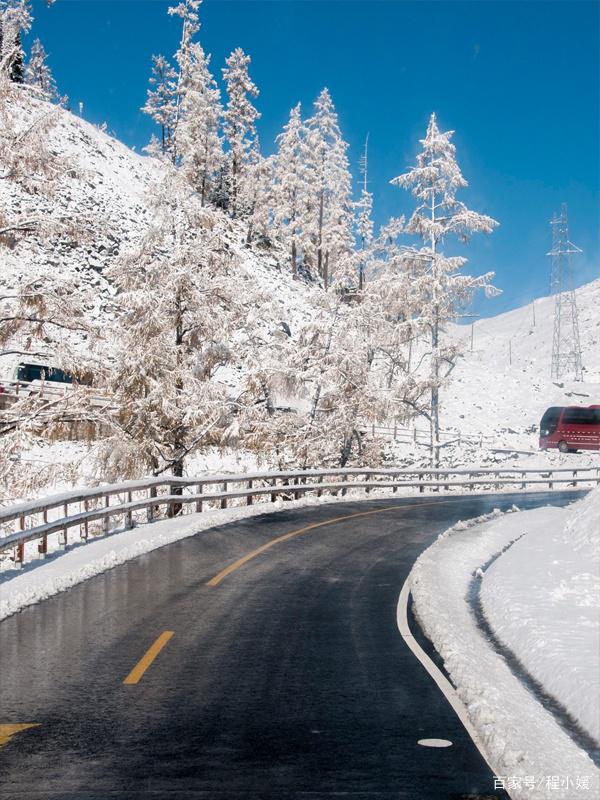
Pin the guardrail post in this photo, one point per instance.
(523, 484)
(574, 477)
(105, 519)
(20, 548)
(199, 490)
(550, 483)
(367, 478)
(344, 480)
(224, 500)
(249, 499)
(319, 491)
(273, 494)
(43, 545)
(85, 533)
(421, 484)
(66, 529)
(395, 430)
(296, 493)
(128, 513)
(150, 508)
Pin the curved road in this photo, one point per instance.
(285, 678)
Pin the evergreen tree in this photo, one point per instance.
(239, 121)
(434, 181)
(291, 187)
(161, 105)
(256, 200)
(178, 309)
(331, 230)
(16, 20)
(199, 142)
(37, 72)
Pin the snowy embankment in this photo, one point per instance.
(542, 599)
(526, 745)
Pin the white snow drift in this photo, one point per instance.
(524, 743)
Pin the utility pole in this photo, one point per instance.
(364, 169)
(566, 346)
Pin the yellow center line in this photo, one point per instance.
(136, 673)
(216, 580)
(8, 731)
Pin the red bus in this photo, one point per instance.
(571, 428)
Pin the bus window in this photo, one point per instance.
(549, 421)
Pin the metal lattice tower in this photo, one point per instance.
(566, 347)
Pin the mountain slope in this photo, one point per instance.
(487, 392)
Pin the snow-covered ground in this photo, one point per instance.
(542, 599)
(547, 763)
(489, 393)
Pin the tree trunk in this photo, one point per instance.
(294, 258)
(320, 237)
(435, 394)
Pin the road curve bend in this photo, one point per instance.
(259, 659)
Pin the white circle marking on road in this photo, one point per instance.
(435, 743)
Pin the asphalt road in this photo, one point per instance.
(287, 679)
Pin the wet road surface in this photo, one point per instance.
(287, 679)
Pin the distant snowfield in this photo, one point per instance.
(488, 393)
(541, 599)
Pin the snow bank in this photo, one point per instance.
(542, 599)
(64, 569)
(525, 744)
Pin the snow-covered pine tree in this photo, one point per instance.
(16, 21)
(256, 200)
(38, 74)
(164, 102)
(291, 187)
(434, 181)
(331, 229)
(161, 105)
(198, 139)
(239, 121)
(393, 303)
(177, 307)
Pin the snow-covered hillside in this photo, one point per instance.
(99, 205)
(489, 393)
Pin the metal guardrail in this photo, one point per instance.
(135, 502)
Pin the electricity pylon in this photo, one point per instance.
(566, 347)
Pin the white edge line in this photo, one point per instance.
(440, 679)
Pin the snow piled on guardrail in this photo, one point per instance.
(524, 743)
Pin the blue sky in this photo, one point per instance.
(517, 81)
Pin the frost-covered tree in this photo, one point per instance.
(165, 97)
(177, 310)
(161, 105)
(444, 289)
(256, 199)
(331, 229)
(37, 72)
(16, 21)
(239, 121)
(199, 143)
(291, 186)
